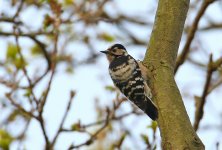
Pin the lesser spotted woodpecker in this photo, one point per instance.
(126, 74)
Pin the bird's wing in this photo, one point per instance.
(144, 73)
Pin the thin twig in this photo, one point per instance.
(25, 70)
(200, 104)
(93, 137)
(191, 33)
(32, 36)
(211, 26)
(19, 107)
(18, 10)
(21, 137)
(72, 94)
(200, 101)
(10, 20)
(46, 93)
(42, 122)
(39, 118)
(113, 118)
(213, 87)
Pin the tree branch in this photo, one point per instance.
(18, 106)
(32, 36)
(93, 136)
(175, 127)
(72, 94)
(191, 33)
(200, 101)
(212, 26)
(25, 70)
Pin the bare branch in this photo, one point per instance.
(213, 87)
(42, 122)
(18, 10)
(18, 106)
(72, 94)
(32, 36)
(200, 101)
(25, 71)
(94, 136)
(191, 33)
(10, 20)
(212, 26)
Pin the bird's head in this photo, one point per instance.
(115, 51)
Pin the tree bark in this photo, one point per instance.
(175, 127)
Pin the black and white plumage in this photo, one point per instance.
(127, 76)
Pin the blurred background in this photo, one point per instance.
(55, 89)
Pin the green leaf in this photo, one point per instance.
(16, 113)
(76, 127)
(12, 51)
(155, 147)
(36, 50)
(69, 69)
(122, 138)
(19, 63)
(13, 57)
(13, 116)
(68, 2)
(48, 21)
(5, 139)
(107, 37)
(145, 139)
(153, 126)
(110, 88)
(28, 93)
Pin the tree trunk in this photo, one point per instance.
(175, 127)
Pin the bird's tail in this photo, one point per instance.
(151, 109)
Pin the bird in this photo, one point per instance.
(128, 76)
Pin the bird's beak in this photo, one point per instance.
(105, 52)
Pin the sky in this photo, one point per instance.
(89, 82)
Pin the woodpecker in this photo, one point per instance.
(127, 76)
